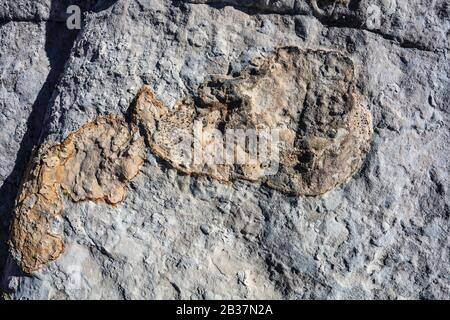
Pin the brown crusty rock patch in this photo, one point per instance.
(309, 96)
(94, 163)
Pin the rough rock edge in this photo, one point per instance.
(335, 14)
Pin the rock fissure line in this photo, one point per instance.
(402, 43)
(59, 42)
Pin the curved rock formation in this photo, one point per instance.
(95, 163)
(305, 105)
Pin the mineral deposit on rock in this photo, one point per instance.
(307, 98)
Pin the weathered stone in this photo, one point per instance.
(94, 163)
(381, 235)
(307, 98)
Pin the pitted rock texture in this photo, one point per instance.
(44, 10)
(419, 24)
(382, 235)
(94, 163)
(307, 98)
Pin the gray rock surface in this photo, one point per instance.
(384, 234)
(24, 69)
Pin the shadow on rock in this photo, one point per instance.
(59, 41)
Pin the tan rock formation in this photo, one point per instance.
(306, 97)
(301, 106)
(94, 163)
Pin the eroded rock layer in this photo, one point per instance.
(385, 235)
(95, 163)
(305, 101)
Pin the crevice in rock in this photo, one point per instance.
(350, 22)
(403, 43)
(58, 44)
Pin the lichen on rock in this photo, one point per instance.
(94, 163)
(307, 97)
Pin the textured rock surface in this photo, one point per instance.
(384, 234)
(304, 106)
(31, 61)
(23, 74)
(95, 163)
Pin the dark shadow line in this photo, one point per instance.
(59, 41)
